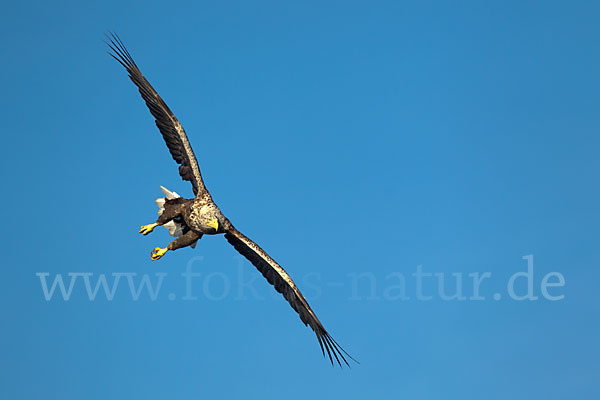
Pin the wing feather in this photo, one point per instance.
(170, 128)
(282, 282)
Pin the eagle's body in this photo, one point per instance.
(190, 219)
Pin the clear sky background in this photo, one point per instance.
(344, 138)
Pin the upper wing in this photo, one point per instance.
(282, 282)
(169, 126)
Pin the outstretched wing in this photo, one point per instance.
(282, 282)
(169, 126)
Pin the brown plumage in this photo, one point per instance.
(190, 219)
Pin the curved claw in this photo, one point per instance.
(146, 229)
(157, 253)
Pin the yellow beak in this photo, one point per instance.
(214, 224)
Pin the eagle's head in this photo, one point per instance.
(213, 222)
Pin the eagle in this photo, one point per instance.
(190, 219)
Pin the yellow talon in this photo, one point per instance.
(157, 253)
(146, 229)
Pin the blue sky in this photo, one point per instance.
(354, 143)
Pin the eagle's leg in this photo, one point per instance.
(171, 211)
(182, 241)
